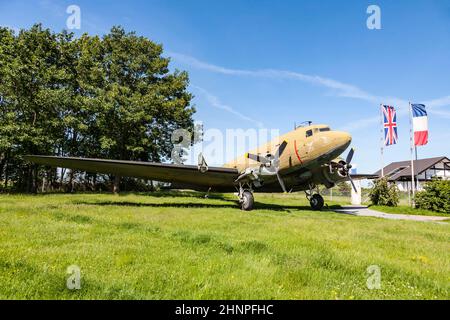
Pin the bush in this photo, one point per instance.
(435, 197)
(383, 194)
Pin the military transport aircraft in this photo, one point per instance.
(300, 160)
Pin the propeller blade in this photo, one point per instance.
(281, 149)
(281, 182)
(268, 158)
(257, 158)
(353, 184)
(350, 156)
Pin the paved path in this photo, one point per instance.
(366, 212)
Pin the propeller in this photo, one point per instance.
(346, 166)
(272, 161)
(257, 158)
(351, 181)
(350, 156)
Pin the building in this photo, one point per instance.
(424, 170)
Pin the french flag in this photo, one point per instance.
(420, 124)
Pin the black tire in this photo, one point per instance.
(247, 201)
(317, 202)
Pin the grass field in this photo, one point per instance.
(182, 246)
(409, 210)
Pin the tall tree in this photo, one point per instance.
(32, 91)
(142, 103)
(111, 97)
(8, 127)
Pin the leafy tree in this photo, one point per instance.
(344, 188)
(30, 86)
(110, 97)
(141, 102)
(384, 194)
(8, 126)
(435, 197)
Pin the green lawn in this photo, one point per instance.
(182, 246)
(409, 210)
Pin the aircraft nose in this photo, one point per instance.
(343, 138)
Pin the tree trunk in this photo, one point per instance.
(2, 163)
(71, 181)
(54, 184)
(29, 178)
(6, 174)
(116, 184)
(94, 182)
(61, 181)
(34, 179)
(44, 183)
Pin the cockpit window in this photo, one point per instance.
(324, 129)
(309, 133)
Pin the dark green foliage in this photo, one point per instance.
(435, 197)
(384, 194)
(344, 188)
(111, 97)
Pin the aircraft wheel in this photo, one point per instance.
(317, 202)
(247, 201)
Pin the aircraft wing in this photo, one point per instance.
(364, 176)
(183, 175)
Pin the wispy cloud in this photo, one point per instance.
(439, 102)
(216, 103)
(53, 8)
(342, 89)
(338, 88)
(441, 113)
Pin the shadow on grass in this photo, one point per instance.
(156, 194)
(233, 204)
(178, 194)
(185, 194)
(154, 205)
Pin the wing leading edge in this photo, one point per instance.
(183, 175)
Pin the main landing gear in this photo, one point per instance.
(246, 199)
(315, 200)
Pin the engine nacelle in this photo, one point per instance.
(329, 176)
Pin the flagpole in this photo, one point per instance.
(416, 177)
(382, 140)
(412, 153)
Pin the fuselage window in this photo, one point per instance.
(309, 133)
(324, 129)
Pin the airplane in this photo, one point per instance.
(300, 160)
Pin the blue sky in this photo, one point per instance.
(267, 63)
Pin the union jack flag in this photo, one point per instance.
(390, 125)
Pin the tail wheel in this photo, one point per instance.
(247, 201)
(317, 202)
